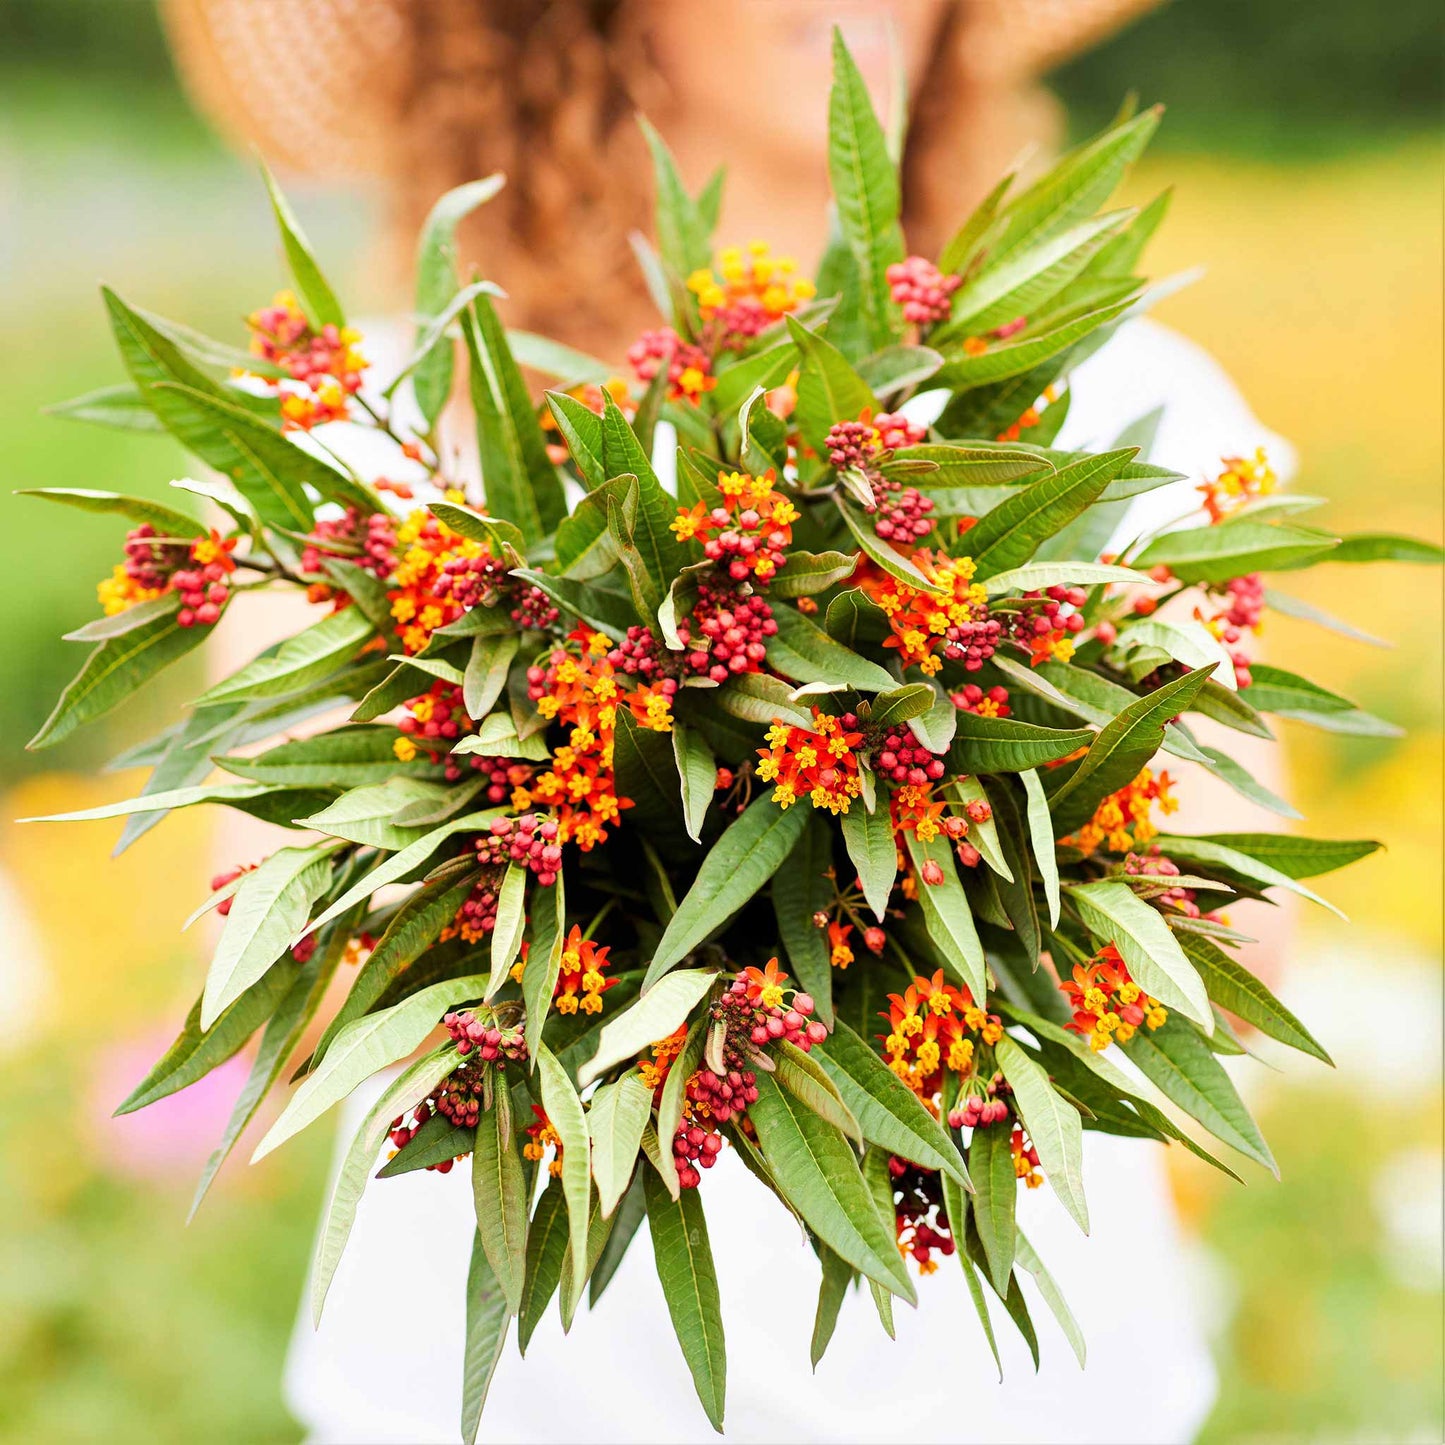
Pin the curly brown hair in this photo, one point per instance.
(423, 95)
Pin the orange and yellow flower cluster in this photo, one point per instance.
(541, 1137)
(581, 981)
(1242, 480)
(819, 765)
(754, 290)
(1124, 820)
(422, 593)
(748, 532)
(934, 1028)
(928, 625)
(1108, 1005)
(323, 367)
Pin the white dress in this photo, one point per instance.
(385, 1365)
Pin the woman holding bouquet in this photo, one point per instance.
(424, 96)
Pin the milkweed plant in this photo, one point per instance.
(797, 788)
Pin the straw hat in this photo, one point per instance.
(313, 84)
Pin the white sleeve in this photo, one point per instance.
(1205, 418)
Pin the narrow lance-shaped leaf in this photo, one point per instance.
(499, 1194)
(567, 1117)
(616, 1116)
(740, 862)
(654, 1016)
(1053, 1124)
(488, 1320)
(689, 1284)
(544, 960)
(995, 1198)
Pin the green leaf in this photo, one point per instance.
(1037, 575)
(236, 793)
(1386, 547)
(114, 672)
(896, 368)
(566, 363)
(1182, 1066)
(682, 236)
(808, 573)
(623, 455)
(364, 814)
(1078, 184)
(1229, 549)
(689, 1284)
(800, 889)
(1053, 1124)
(268, 909)
(902, 704)
(118, 406)
(414, 1084)
(878, 551)
(1025, 279)
(400, 864)
(521, 484)
(669, 1107)
(300, 661)
(1114, 914)
(865, 187)
(488, 1320)
(660, 1010)
(616, 1116)
(829, 389)
(436, 285)
(350, 756)
(1006, 745)
(802, 651)
(195, 1053)
(1019, 358)
(995, 1199)
(767, 368)
(1010, 534)
(166, 520)
(567, 1117)
(1120, 750)
(888, 1111)
(1289, 695)
(499, 1193)
(970, 466)
(321, 303)
(808, 1082)
(956, 1206)
(437, 1141)
(544, 961)
(1220, 855)
(1239, 778)
(947, 916)
(1294, 607)
(818, 1172)
(740, 862)
(364, 1046)
(837, 1275)
(599, 1229)
(1188, 642)
(1233, 987)
(487, 670)
(984, 836)
(873, 852)
(1028, 1259)
(1298, 857)
(546, 1249)
(267, 469)
(1041, 835)
(510, 924)
(697, 770)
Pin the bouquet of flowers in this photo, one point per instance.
(795, 791)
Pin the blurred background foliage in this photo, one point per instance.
(1303, 145)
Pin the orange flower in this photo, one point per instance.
(656, 1069)
(541, 1136)
(1242, 480)
(1108, 1005)
(1123, 820)
(927, 625)
(582, 968)
(840, 953)
(755, 290)
(819, 765)
(765, 985)
(933, 1028)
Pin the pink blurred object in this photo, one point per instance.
(171, 1138)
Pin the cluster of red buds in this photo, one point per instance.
(919, 1216)
(745, 542)
(902, 759)
(530, 840)
(972, 698)
(979, 1110)
(900, 514)
(197, 570)
(485, 581)
(1155, 865)
(754, 1012)
(485, 1035)
(432, 723)
(403, 1132)
(1043, 628)
(369, 542)
(477, 917)
(688, 367)
(1243, 611)
(638, 654)
(327, 363)
(922, 290)
(726, 633)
